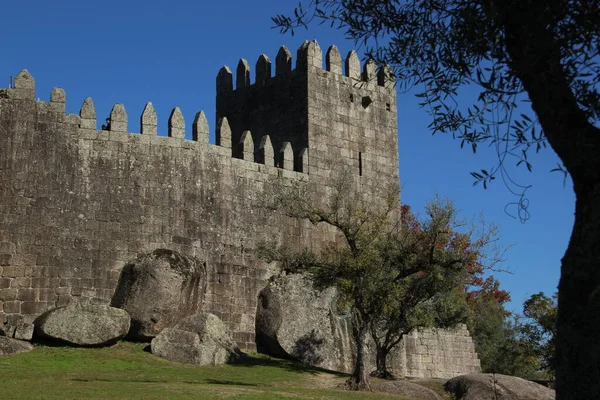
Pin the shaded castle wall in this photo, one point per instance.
(77, 204)
(345, 116)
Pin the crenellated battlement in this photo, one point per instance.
(299, 104)
(309, 56)
(86, 121)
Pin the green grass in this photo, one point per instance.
(126, 371)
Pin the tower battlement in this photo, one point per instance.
(343, 114)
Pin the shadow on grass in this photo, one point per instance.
(124, 380)
(203, 382)
(50, 342)
(289, 365)
(226, 382)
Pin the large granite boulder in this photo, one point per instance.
(17, 327)
(201, 339)
(293, 320)
(158, 290)
(83, 325)
(496, 387)
(13, 346)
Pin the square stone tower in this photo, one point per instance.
(340, 118)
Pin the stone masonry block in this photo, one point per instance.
(118, 118)
(148, 123)
(200, 130)
(12, 307)
(176, 124)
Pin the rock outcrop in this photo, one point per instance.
(496, 387)
(406, 389)
(12, 346)
(158, 290)
(83, 325)
(293, 320)
(201, 339)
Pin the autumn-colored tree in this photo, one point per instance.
(394, 277)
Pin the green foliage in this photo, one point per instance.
(497, 343)
(513, 345)
(538, 329)
(394, 274)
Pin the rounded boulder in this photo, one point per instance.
(294, 320)
(12, 346)
(201, 339)
(158, 290)
(83, 325)
(496, 387)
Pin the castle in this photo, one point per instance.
(77, 203)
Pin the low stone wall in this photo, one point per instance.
(439, 353)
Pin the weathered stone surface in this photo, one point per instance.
(439, 353)
(83, 325)
(246, 147)
(224, 80)
(286, 156)
(406, 389)
(80, 204)
(176, 124)
(200, 128)
(148, 120)
(201, 339)
(243, 74)
(265, 152)
(158, 290)
(309, 55)
(496, 387)
(370, 70)
(223, 133)
(118, 118)
(333, 60)
(11, 346)
(293, 320)
(16, 326)
(88, 114)
(263, 70)
(24, 85)
(283, 62)
(353, 65)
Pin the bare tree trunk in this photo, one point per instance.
(535, 59)
(382, 371)
(360, 378)
(578, 325)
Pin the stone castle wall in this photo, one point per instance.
(439, 353)
(77, 203)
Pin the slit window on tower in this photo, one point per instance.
(359, 163)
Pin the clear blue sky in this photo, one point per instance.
(170, 52)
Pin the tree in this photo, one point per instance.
(394, 276)
(518, 53)
(495, 333)
(538, 331)
(426, 263)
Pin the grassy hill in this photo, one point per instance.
(126, 371)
